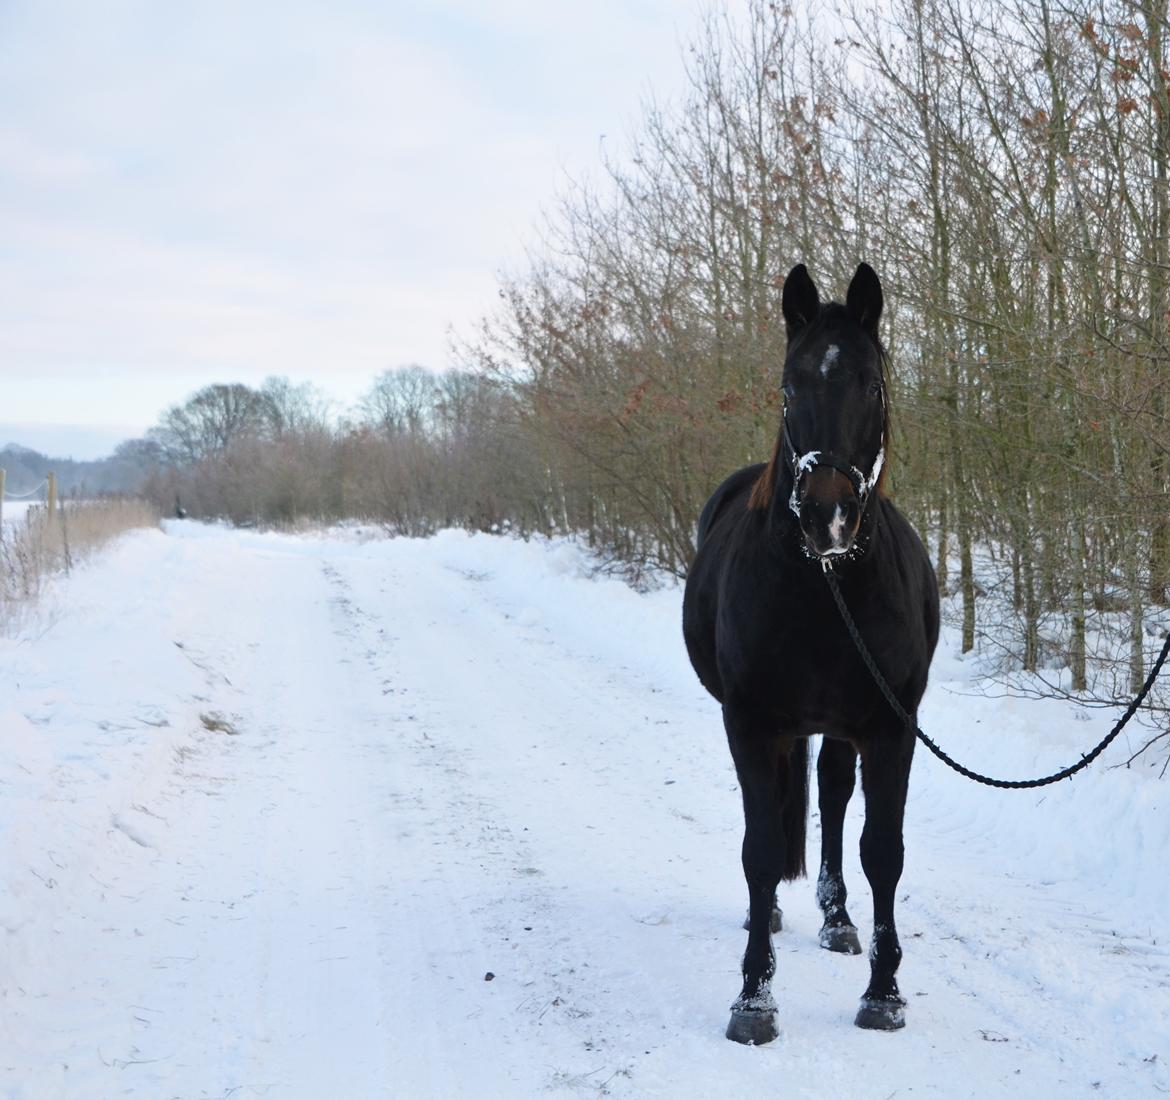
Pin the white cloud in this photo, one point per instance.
(213, 191)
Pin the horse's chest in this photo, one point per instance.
(790, 654)
(801, 673)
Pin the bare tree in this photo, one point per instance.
(209, 422)
(399, 401)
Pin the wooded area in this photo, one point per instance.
(1003, 167)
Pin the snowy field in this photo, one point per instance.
(15, 511)
(272, 809)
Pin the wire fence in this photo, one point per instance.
(24, 503)
(31, 493)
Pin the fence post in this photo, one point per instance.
(3, 473)
(52, 495)
(65, 541)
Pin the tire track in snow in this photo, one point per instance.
(236, 958)
(459, 859)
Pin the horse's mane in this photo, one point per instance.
(765, 487)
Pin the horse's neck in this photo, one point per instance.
(783, 523)
(783, 526)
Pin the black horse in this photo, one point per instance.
(767, 641)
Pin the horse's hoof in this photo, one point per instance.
(776, 923)
(841, 938)
(881, 1015)
(752, 1027)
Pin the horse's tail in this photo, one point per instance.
(795, 811)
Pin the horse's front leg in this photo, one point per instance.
(885, 772)
(759, 756)
(836, 776)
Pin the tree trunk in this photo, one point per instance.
(1077, 648)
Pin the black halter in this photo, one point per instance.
(800, 465)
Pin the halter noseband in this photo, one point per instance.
(862, 484)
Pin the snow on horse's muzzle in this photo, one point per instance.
(829, 511)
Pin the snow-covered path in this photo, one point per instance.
(274, 808)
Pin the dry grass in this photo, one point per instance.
(34, 549)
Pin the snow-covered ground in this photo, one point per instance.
(273, 809)
(15, 511)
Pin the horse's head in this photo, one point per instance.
(834, 407)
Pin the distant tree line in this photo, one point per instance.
(121, 472)
(421, 451)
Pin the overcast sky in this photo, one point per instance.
(219, 191)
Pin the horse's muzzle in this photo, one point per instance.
(830, 513)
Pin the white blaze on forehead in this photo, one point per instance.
(831, 353)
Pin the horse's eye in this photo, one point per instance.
(789, 391)
(875, 389)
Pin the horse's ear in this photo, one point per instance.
(864, 298)
(800, 301)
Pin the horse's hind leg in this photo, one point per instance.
(885, 771)
(760, 758)
(836, 775)
(776, 922)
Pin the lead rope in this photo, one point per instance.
(1008, 784)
